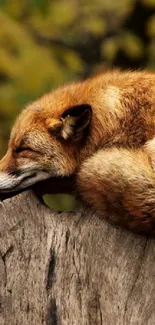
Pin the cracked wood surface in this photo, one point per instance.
(72, 269)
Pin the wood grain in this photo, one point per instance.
(72, 269)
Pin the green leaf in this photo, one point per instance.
(60, 202)
(109, 48)
(151, 26)
(42, 5)
(132, 45)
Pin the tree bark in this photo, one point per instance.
(72, 269)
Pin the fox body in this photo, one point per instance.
(101, 130)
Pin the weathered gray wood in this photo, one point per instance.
(64, 269)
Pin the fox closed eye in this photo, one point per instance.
(22, 149)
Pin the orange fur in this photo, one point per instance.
(103, 131)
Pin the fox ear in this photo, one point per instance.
(75, 120)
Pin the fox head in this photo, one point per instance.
(45, 142)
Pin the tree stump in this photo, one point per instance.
(72, 268)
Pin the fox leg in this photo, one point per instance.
(120, 185)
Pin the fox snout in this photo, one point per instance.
(14, 178)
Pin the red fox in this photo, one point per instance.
(101, 130)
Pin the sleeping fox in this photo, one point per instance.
(101, 130)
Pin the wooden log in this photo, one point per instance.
(72, 268)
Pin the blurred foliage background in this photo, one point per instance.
(46, 43)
